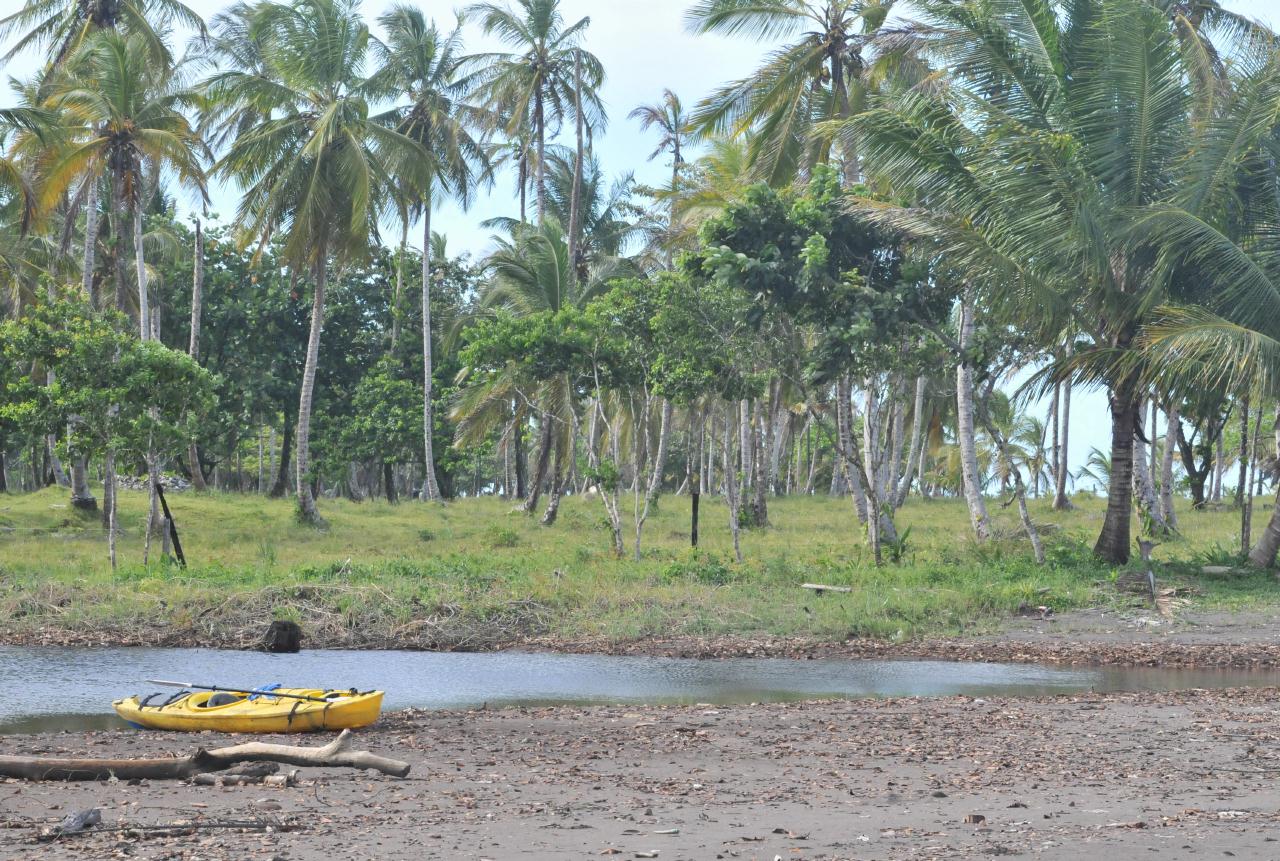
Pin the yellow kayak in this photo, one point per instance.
(262, 712)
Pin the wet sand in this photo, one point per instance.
(1188, 775)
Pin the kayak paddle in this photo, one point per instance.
(236, 690)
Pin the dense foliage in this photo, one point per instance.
(878, 236)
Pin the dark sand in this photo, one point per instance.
(1187, 775)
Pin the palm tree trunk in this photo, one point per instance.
(1144, 490)
(917, 438)
(1151, 439)
(731, 476)
(430, 488)
(524, 183)
(540, 468)
(1055, 452)
(1219, 467)
(109, 503)
(1166, 467)
(281, 485)
(1243, 480)
(193, 347)
(759, 489)
(694, 469)
(540, 129)
(852, 474)
(144, 303)
(90, 243)
(1246, 505)
(1113, 542)
(307, 511)
(850, 162)
(1061, 502)
(1263, 554)
(147, 330)
(655, 478)
(965, 428)
(575, 195)
(518, 455)
(399, 294)
(556, 490)
(876, 468)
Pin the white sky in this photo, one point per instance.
(644, 48)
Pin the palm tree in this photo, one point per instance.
(530, 274)
(1096, 468)
(533, 89)
(719, 177)
(607, 223)
(671, 121)
(121, 116)
(780, 108)
(421, 64)
(318, 171)
(1087, 234)
(1194, 349)
(67, 25)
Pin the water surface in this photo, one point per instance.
(72, 688)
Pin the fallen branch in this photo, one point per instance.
(176, 829)
(334, 754)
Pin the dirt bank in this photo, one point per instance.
(1088, 637)
(1188, 775)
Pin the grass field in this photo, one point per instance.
(474, 574)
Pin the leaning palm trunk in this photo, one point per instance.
(655, 478)
(917, 440)
(307, 511)
(556, 490)
(430, 489)
(849, 471)
(540, 469)
(965, 430)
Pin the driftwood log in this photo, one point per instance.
(336, 753)
(819, 588)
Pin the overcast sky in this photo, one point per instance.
(644, 48)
